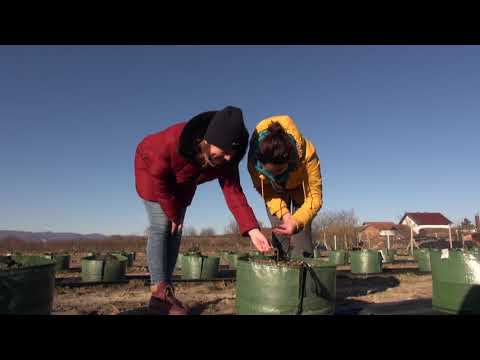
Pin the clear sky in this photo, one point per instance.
(396, 127)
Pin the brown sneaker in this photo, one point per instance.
(164, 302)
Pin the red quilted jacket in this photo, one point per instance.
(164, 176)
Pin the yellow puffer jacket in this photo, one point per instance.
(304, 184)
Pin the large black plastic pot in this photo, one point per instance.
(28, 288)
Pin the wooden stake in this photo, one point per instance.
(450, 235)
(335, 242)
(388, 242)
(411, 239)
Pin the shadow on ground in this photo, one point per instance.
(196, 309)
(408, 307)
(360, 286)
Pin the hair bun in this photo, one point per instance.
(275, 128)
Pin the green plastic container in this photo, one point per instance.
(270, 289)
(366, 262)
(231, 258)
(422, 257)
(456, 281)
(199, 266)
(29, 289)
(130, 255)
(317, 253)
(178, 264)
(62, 262)
(388, 256)
(97, 270)
(338, 257)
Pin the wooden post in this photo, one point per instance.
(463, 242)
(411, 240)
(335, 242)
(388, 242)
(345, 241)
(325, 240)
(450, 235)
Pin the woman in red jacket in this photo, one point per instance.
(168, 167)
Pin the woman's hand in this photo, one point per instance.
(177, 227)
(259, 240)
(288, 226)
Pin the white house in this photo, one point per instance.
(423, 220)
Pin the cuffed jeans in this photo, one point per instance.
(162, 247)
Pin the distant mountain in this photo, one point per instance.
(49, 235)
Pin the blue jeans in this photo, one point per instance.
(298, 245)
(162, 247)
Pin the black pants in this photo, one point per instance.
(298, 245)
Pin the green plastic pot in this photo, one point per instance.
(29, 289)
(338, 257)
(200, 266)
(422, 257)
(178, 264)
(366, 262)
(456, 281)
(62, 262)
(231, 258)
(97, 270)
(388, 256)
(317, 253)
(130, 255)
(271, 289)
(349, 256)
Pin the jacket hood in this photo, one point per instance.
(193, 131)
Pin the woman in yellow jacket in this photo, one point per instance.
(285, 170)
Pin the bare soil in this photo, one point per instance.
(218, 298)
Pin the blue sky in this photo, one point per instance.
(396, 127)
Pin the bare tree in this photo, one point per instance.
(400, 217)
(232, 228)
(342, 224)
(466, 224)
(209, 231)
(190, 231)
